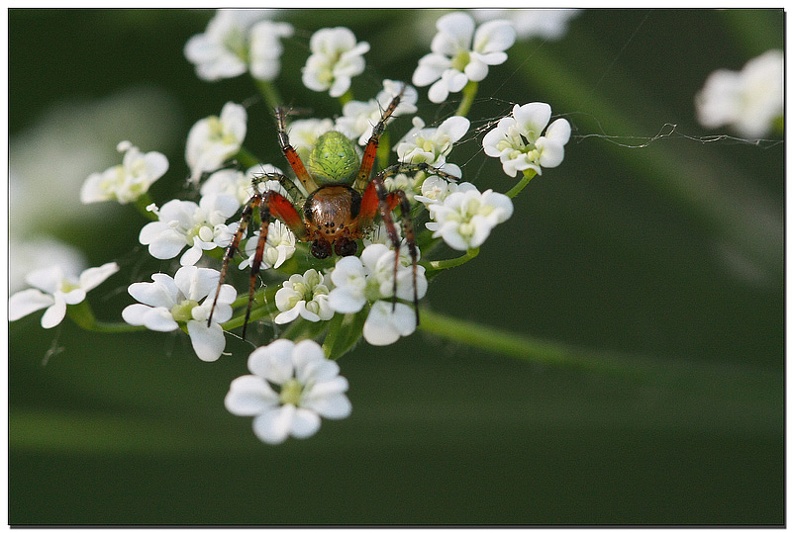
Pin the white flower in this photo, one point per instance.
(54, 290)
(750, 100)
(432, 145)
(335, 58)
(221, 51)
(435, 189)
(40, 251)
(280, 246)
(183, 223)
(458, 55)
(214, 139)
(359, 118)
(386, 324)
(304, 296)
(517, 139)
(240, 184)
(548, 24)
(370, 279)
(465, 218)
(306, 387)
(266, 49)
(125, 182)
(169, 302)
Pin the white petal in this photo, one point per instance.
(274, 361)
(481, 230)
(135, 314)
(47, 279)
(166, 245)
(455, 127)
(532, 118)
(159, 319)
(192, 255)
(455, 80)
(273, 426)
(284, 317)
(552, 152)
(430, 68)
(384, 326)
(196, 283)
(328, 400)
(304, 423)
(456, 33)
(334, 407)
(54, 314)
(250, 396)
(494, 36)
(438, 92)
(559, 131)
(310, 363)
(92, 191)
(161, 293)
(26, 302)
(476, 70)
(94, 276)
(208, 342)
(72, 297)
(345, 300)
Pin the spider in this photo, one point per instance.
(344, 201)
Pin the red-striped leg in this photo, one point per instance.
(270, 204)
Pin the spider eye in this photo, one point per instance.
(344, 247)
(321, 249)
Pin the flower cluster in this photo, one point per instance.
(518, 141)
(54, 289)
(128, 181)
(319, 307)
(462, 53)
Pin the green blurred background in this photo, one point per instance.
(670, 254)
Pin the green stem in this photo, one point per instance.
(455, 262)
(468, 95)
(246, 158)
(270, 93)
(528, 175)
(345, 98)
(518, 346)
(82, 315)
(256, 313)
(143, 201)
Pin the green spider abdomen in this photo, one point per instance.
(333, 160)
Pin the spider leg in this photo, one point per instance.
(370, 151)
(244, 220)
(270, 204)
(288, 185)
(412, 168)
(376, 198)
(291, 154)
